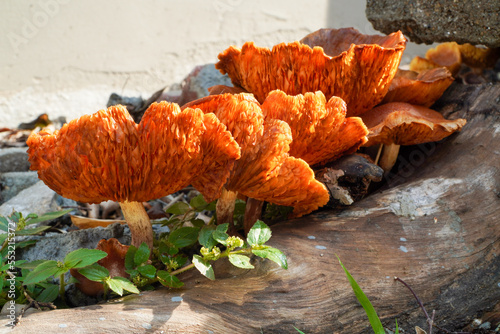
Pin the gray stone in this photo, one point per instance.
(11, 183)
(55, 246)
(429, 21)
(14, 159)
(37, 199)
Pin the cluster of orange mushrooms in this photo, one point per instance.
(293, 108)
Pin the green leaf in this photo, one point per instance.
(397, 328)
(118, 284)
(178, 208)
(220, 237)
(3, 236)
(166, 279)
(11, 266)
(222, 227)
(4, 224)
(129, 258)
(272, 254)
(142, 254)
(239, 208)
(198, 203)
(240, 261)
(298, 330)
(83, 257)
(49, 294)
(25, 243)
(148, 271)
(184, 236)
(203, 267)
(31, 265)
(363, 300)
(95, 272)
(198, 223)
(32, 231)
(205, 237)
(47, 216)
(259, 234)
(43, 271)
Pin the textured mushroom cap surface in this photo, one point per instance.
(107, 156)
(360, 75)
(406, 124)
(265, 170)
(321, 132)
(422, 88)
(445, 54)
(479, 57)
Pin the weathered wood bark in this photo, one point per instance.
(437, 227)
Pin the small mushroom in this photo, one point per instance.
(114, 262)
(479, 57)
(445, 54)
(422, 88)
(360, 74)
(321, 131)
(265, 171)
(398, 123)
(107, 156)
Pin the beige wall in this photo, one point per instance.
(64, 57)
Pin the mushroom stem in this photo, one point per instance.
(225, 207)
(253, 212)
(389, 157)
(138, 222)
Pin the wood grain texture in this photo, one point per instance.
(437, 227)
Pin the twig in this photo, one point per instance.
(430, 320)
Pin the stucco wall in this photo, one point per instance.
(64, 57)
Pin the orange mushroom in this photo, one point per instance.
(445, 54)
(397, 123)
(479, 57)
(321, 132)
(422, 88)
(265, 171)
(360, 74)
(107, 156)
(114, 262)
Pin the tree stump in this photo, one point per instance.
(436, 226)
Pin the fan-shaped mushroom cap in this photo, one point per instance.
(360, 76)
(422, 88)
(107, 156)
(445, 54)
(321, 132)
(265, 170)
(479, 57)
(405, 124)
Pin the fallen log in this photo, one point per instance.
(437, 226)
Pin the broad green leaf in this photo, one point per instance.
(129, 258)
(43, 271)
(115, 285)
(118, 284)
(148, 271)
(178, 208)
(4, 224)
(166, 279)
(142, 254)
(12, 266)
(3, 236)
(203, 267)
(198, 223)
(25, 243)
(198, 203)
(32, 231)
(222, 227)
(95, 272)
(363, 300)
(205, 237)
(240, 261)
(220, 237)
(83, 257)
(31, 265)
(166, 249)
(272, 254)
(184, 236)
(47, 216)
(259, 234)
(49, 294)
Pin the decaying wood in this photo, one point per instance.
(436, 226)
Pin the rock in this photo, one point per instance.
(55, 246)
(37, 199)
(14, 159)
(423, 21)
(202, 77)
(11, 183)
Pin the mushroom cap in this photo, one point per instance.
(321, 132)
(479, 57)
(445, 54)
(406, 124)
(265, 170)
(107, 156)
(360, 75)
(422, 88)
